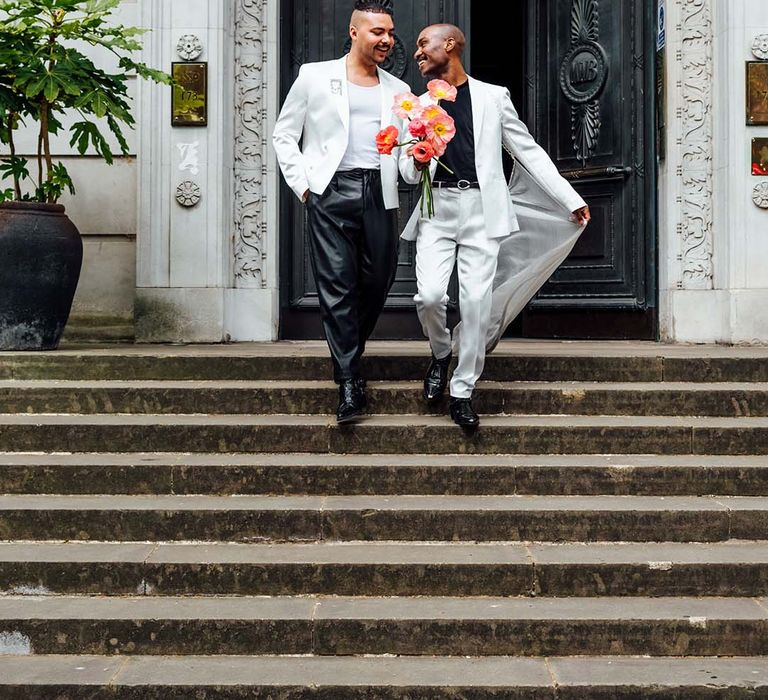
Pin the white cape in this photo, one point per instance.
(530, 256)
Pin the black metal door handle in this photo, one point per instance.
(592, 173)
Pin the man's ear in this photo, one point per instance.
(353, 32)
(450, 45)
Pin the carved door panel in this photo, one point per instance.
(590, 101)
(317, 30)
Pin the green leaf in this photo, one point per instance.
(14, 167)
(51, 89)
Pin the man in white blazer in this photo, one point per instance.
(473, 213)
(336, 109)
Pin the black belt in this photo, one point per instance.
(456, 185)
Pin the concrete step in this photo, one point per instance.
(384, 518)
(401, 626)
(512, 361)
(381, 678)
(385, 434)
(733, 568)
(727, 399)
(359, 474)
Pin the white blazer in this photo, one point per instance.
(496, 126)
(317, 107)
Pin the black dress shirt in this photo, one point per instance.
(460, 154)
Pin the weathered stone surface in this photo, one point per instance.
(553, 531)
(421, 518)
(320, 474)
(410, 626)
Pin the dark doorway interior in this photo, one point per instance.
(500, 58)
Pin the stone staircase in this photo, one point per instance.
(189, 523)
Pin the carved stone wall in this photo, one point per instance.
(250, 241)
(696, 145)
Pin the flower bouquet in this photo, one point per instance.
(431, 129)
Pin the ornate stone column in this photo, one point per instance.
(253, 301)
(696, 145)
(207, 269)
(689, 308)
(185, 183)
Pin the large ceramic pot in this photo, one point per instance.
(41, 254)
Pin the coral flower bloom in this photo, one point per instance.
(441, 127)
(407, 105)
(438, 146)
(431, 111)
(423, 152)
(418, 128)
(386, 140)
(440, 90)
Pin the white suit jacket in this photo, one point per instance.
(496, 126)
(317, 107)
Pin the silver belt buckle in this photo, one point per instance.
(464, 184)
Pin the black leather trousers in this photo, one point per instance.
(353, 242)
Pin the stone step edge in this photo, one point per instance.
(659, 556)
(401, 503)
(619, 461)
(386, 434)
(200, 385)
(561, 677)
(697, 611)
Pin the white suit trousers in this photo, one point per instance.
(456, 234)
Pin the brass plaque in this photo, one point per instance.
(757, 93)
(189, 106)
(760, 156)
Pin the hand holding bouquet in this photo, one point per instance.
(431, 129)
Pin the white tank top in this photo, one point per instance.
(364, 124)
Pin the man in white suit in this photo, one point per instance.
(349, 189)
(473, 214)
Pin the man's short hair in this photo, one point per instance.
(381, 6)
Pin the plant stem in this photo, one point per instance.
(12, 146)
(40, 160)
(44, 135)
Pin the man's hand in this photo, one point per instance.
(419, 165)
(582, 216)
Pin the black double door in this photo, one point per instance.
(581, 75)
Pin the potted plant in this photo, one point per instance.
(45, 78)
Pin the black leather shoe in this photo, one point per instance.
(350, 402)
(463, 414)
(437, 378)
(362, 385)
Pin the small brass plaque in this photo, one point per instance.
(189, 106)
(757, 93)
(760, 156)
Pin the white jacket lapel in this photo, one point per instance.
(339, 90)
(387, 99)
(477, 93)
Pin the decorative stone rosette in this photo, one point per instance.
(760, 195)
(760, 47)
(189, 47)
(188, 194)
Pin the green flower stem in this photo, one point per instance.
(444, 166)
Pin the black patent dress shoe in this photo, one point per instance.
(436, 379)
(350, 402)
(463, 414)
(362, 385)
